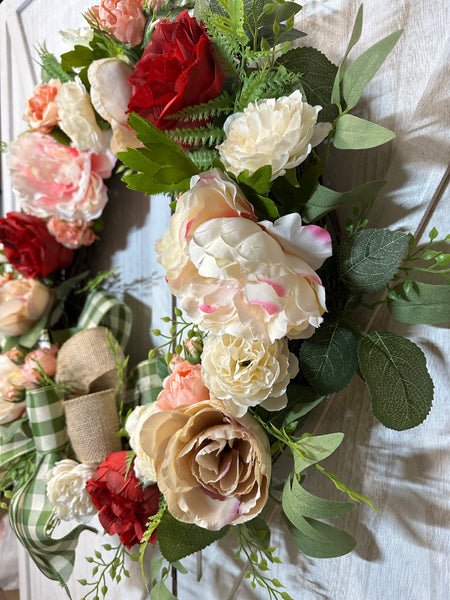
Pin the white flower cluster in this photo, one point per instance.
(66, 490)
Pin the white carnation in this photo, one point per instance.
(279, 132)
(247, 372)
(144, 466)
(66, 490)
(77, 118)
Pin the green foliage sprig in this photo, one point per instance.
(179, 329)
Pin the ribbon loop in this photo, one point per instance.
(46, 416)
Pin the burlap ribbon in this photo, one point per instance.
(87, 364)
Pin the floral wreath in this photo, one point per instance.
(210, 103)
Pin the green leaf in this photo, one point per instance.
(324, 200)
(353, 133)
(259, 180)
(280, 12)
(329, 358)
(324, 541)
(299, 501)
(317, 75)
(29, 339)
(177, 539)
(161, 166)
(361, 71)
(369, 259)
(422, 303)
(315, 448)
(160, 592)
(396, 374)
(354, 38)
(259, 531)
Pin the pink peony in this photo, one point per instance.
(42, 110)
(183, 386)
(50, 179)
(46, 357)
(72, 234)
(124, 19)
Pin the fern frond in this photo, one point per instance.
(226, 48)
(50, 65)
(204, 157)
(215, 107)
(265, 84)
(200, 136)
(252, 89)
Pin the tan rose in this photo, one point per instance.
(22, 303)
(212, 468)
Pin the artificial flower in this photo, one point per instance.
(22, 303)
(42, 110)
(232, 275)
(244, 373)
(124, 19)
(30, 248)
(110, 94)
(144, 466)
(177, 69)
(66, 490)
(77, 37)
(12, 387)
(44, 357)
(183, 386)
(212, 468)
(77, 118)
(51, 179)
(279, 132)
(124, 505)
(71, 234)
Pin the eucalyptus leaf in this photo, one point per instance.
(309, 505)
(423, 303)
(323, 200)
(281, 12)
(370, 258)
(328, 542)
(353, 133)
(30, 338)
(328, 359)
(160, 592)
(396, 374)
(177, 539)
(354, 39)
(361, 71)
(315, 448)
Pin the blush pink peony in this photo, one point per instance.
(51, 179)
(124, 19)
(233, 275)
(183, 386)
(72, 234)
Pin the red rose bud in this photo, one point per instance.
(178, 69)
(124, 505)
(30, 248)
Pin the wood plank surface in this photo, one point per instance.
(403, 553)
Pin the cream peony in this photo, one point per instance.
(235, 276)
(244, 373)
(277, 132)
(110, 94)
(66, 490)
(22, 303)
(144, 466)
(77, 118)
(212, 468)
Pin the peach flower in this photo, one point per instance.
(212, 468)
(235, 276)
(12, 384)
(42, 111)
(46, 357)
(183, 386)
(22, 303)
(124, 19)
(72, 234)
(51, 179)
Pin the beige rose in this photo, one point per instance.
(244, 373)
(22, 303)
(212, 468)
(144, 466)
(279, 132)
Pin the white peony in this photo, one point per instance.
(279, 132)
(77, 118)
(244, 373)
(66, 490)
(144, 466)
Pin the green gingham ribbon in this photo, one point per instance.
(14, 443)
(30, 511)
(106, 310)
(146, 381)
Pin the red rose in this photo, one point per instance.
(124, 505)
(30, 248)
(178, 69)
